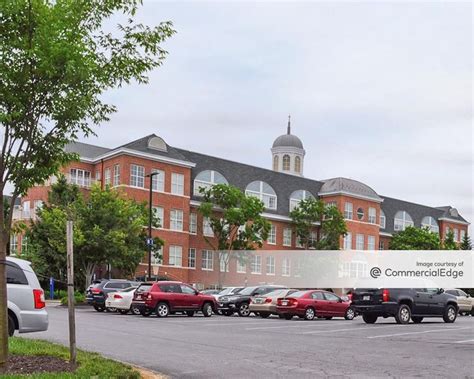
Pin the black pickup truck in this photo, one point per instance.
(404, 304)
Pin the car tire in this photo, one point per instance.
(145, 313)
(98, 308)
(281, 316)
(350, 314)
(111, 310)
(450, 314)
(189, 313)
(123, 311)
(309, 314)
(11, 326)
(417, 319)
(369, 319)
(244, 310)
(135, 311)
(264, 314)
(162, 310)
(403, 314)
(472, 311)
(207, 310)
(288, 317)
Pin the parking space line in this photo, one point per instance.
(288, 326)
(351, 329)
(421, 332)
(465, 341)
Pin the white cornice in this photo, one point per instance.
(385, 234)
(350, 194)
(453, 221)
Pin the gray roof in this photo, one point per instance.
(288, 140)
(350, 186)
(85, 150)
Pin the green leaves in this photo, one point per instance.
(415, 239)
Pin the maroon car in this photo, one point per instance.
(165, 297)
(314, 303)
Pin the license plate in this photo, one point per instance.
(366, 297)
(258, 301)
(284, 303)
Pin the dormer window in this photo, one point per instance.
(206, 179)
(264, 192)
(157, 143)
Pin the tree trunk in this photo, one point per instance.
(3, 300)
(89, 271)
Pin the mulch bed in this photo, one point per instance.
(31, 364)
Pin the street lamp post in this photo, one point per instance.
(150, 218)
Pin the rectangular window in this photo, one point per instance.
(192, 258)
(312, 239)
(382, 221)
(462, 234)
(207, 262)
(193, 223)
(287, 237)
(348, 241)
(97, 175)
(446, 232)
(176, 256)
(330, 204)
(159, 213)
(370, 243)
(241, 266)
(117, 175)
(285, 267)
(206, 227)
(26, 209)
(224, 262)
(177, 184)
(372, 215)
(13, 244)
(79, 177)
(359, 242)
(107, 177)
(272, 235)
(456, 235)
(381, 245)
(176, 219)
(24, 244)
(137, 176)
(270, 265)
(158, 181)
(256, 264)
(348, 211)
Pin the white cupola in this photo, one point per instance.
(288, 153)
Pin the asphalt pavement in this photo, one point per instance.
(230, 347)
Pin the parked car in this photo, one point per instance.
(465, 301)
(97, 293)
(229, 304)
(228, 291)
(404, 304)
(122, 301)
(210, 292)
(265, 305)
(314, 303)
(26, 303)
(165, 297)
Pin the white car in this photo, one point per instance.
(121, 301)
(25, 298)
(227, 291)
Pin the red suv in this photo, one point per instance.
(165, 297)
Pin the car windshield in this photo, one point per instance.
(247, 290)
(225, 291)
(144, 288)
(235, 291)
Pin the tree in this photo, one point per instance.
(236, 221)
(449, 243)
(56, 63)
(109, 229)
(466, 243)
(415, 239)
(317, 225)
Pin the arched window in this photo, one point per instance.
(382, 219)
(264, 192)
(402, 220)
(275, 163)
(297, 196)
(206, 179)
(286, 162)
(431, 223)
(297, 164)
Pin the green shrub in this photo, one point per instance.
(79, 298)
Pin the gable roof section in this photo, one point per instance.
(86, 150)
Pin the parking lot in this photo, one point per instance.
(251, 347)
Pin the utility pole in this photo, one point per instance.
(150, 217)
(70, 292)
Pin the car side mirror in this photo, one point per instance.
(196, 292)
(440, 291)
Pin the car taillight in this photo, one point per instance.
(96, 291)
(117, 296)
(293, 302)
(268, 300)
(385, 295)
(148, 297)
(38, 296)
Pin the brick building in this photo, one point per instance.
(371, 218)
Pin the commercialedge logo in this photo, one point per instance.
(376, 272)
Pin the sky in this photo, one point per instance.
(380, 92)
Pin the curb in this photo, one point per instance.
(148, 374)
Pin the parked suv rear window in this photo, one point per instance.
(15, 274)
(144, 288)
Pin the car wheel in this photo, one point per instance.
(98, 308)
(450, 314)
(135, 311)
(145, 313)
(207, 310)
(123, 311)
(162, 310)
(190, 313)
(350, 314)
(288, 317)
(403, 314)
(369, 319)
(244, 310)
(472, 311)
(417, 319)
(11, 326)
(309, 314)
(264, 315)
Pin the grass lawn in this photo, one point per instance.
(89, 364)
